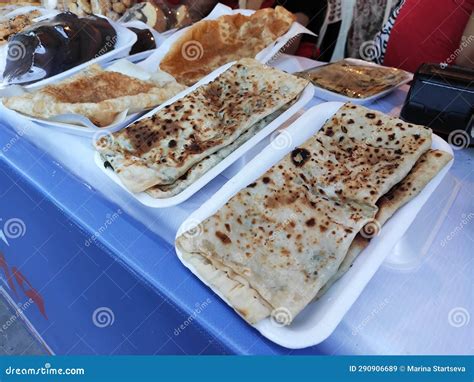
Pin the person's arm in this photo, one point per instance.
(466, 46)
(199, 8)
(293, 46)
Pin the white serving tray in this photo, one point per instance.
(147, 200)
(125, 40)
(332, 96)
(153, 62)
(78, 124)
(91, 131)
(319, 319)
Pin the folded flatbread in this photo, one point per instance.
(425, 169)
(355, 81)
(276, 243)
(199, 169)
(97, 94)
(210, 44)
(160, 149)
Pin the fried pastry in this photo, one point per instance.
(210, 44)
(94, 93)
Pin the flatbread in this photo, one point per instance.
(355, 81)
(356, 248)
(425, 169)
(158, 150)
(15, 24)
(94, 93)
(199, 169)
(287, 233)
(235, 289)
(210, 44)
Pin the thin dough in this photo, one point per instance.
(97, 94)
(160, 149)
(210, 44)
(287, 233)
(427, 167)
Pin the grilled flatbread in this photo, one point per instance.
(160, 149)
(210, 44)
(356, 248)
(427, 167)
(285, 235)
(355, 81)
(199, 169)
(94, 93)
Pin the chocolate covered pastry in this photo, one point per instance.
(145, 40)
(56, 45)
(158, 16)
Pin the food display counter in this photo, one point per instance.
(95, 271)
(180, 186)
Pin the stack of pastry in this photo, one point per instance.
(15, 24)
(113, 9)
(158, 15)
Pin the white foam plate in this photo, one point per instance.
(125, 40)
(77, 124)
(332, 96)
(147, 200)
(61, 125)
(319, 319)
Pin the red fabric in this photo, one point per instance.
(427, 31)
(308, 49)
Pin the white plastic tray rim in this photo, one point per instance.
(319, 319)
